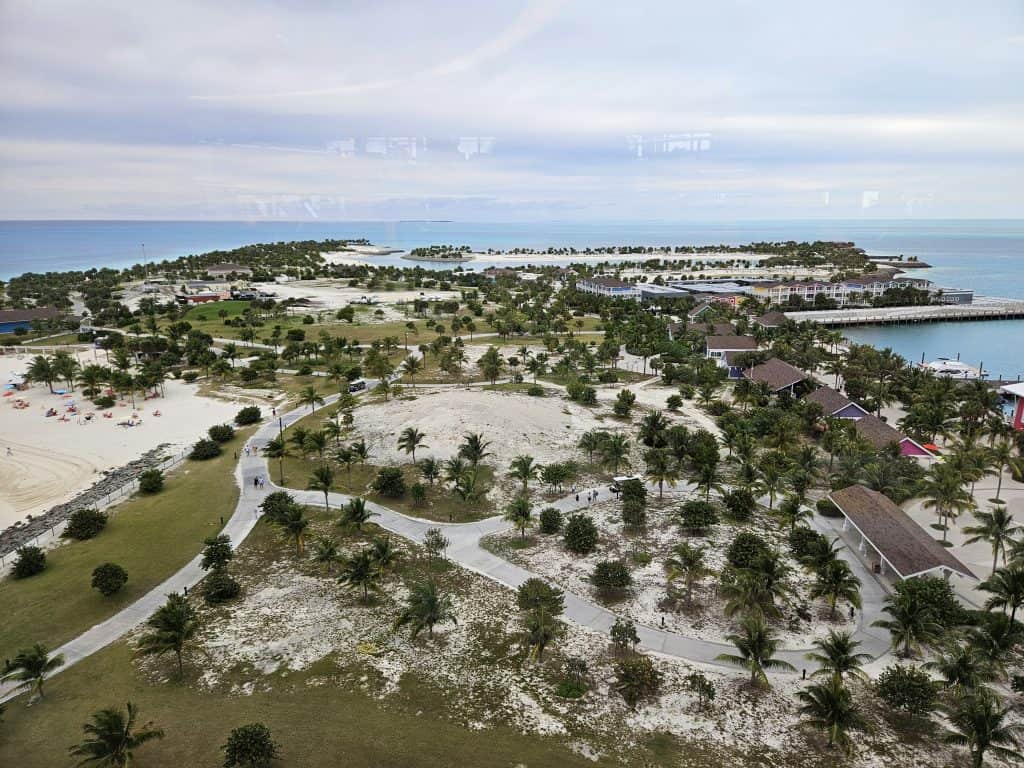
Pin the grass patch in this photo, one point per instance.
(149, 536)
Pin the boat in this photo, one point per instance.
(954, 369)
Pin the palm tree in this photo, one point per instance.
(757, 647)
(524, 468)
(360, 571)
(981, 723)
(322, 480)
(836, 582)
(518, 512)
(687, 563)
(411, 366)
(836, 654)
(309, 396)
(591, 442)
(821, 553)
(430, 468)
(31, 667)
(111, 738)
(911, 626)
(293, 523)
(360, 451)
(325, 552)
(661, 468)
(427, 606)
(355, 513)
(614, 452)
(1006, 586)
(491, 364)
(962, 667)
(772, 470)
(474, 448)
(995, 527)
(829, 707)
(1000, 455)
(384, 553)
(173, 625)
(944, 492)
(540, 628)
(411, 439)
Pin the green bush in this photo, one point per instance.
(739, 504)
(580, 534)
(937, 595)
(189, 376)
(221, 433)
(826, 508)
(219, 587)
(85, 524)
(534, 594)
(674, 402)
(104, 401)
(251, 414)
(418, 493)
(636, 678)
(696, 516)
(746, 549)
(633, 513)
(30, 561)
(204, 449)
(803, 541)
(608, 377)
(109, 578)
(611, 576)
(304, 370)
(389, 482)
(250, 746)
(535, 390)
(151, 481)
(581, 393)
(550, 520)
(907, 688)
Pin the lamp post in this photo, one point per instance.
(280, 457)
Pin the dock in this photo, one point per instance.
(983, 308)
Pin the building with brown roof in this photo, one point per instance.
(770, 320)
(777, 375)
(881, 436)
(13, 319)
(719, 348)
(835, 404)
(890, 539)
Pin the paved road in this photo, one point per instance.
(464, 549)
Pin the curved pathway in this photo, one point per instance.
(464, 549)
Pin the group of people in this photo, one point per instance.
(591, 496)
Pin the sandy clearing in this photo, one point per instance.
(335, 294)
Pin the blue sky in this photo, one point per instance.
(541, 110)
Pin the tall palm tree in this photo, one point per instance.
(360, 451)
(1006, 586)
(411, 366)
(688, 563)
(41, 370)
(309, 396)
(756, 646)
(591, 442)
(962, 667)
(31, 667)
(430, 468)
(836, 582)
(427, 607)
(661, 468)
(360, 571)
(944, 492)
(614, 452)
(911, 624)
(474, 448)
(1000, 455)
(518, 512)
(982, 724)
(995, 527)
(293, 524)
(316, 442)
(172, 627)
(411, 439)
(524, 468)
(836, 654)
(829, 707)
(111, 738)
(384, 553)
(325, 552)
(540, 628)
(355, 513)
(772, 468)
(322, 480)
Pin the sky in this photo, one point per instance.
(534, 110)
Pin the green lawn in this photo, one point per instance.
(150, 536)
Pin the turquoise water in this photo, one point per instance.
(987, 256)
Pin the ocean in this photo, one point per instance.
(984, 255)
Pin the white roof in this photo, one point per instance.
(1017, 390)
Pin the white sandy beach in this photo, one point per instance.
(51, 460)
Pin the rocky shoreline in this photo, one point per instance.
(23, 531)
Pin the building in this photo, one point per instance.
(608, 286)
(693, 314)
(771, 320)
(881, 436)
(654, 292)
(890, 540)
(777, 375)
(203, 297)
(843, 292)
(723, 350)
(835, 404)
(12, 320)
(495, 273)
(222, 270)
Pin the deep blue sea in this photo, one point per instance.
(986, 255)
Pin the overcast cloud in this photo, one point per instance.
(550, 109)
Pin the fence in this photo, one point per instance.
(104, 502)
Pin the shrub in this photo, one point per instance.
(636, 678)
(687, 391)
(535, 390)
(104, 401)
(418, 493)
(739, 504)
(109, 578)
(937, 595)
(607, 377)
(674, 402)
(217, 552)
(249, 415)
(623, 634)
(746, 549)
(221, 433)
(219, 587)
(907, 688)
(826, 508)
(250, 746)
(204, 449)
(581, 393)
(31, 560)
(550, 520)
(803, 541)
(697, 516)
(189, 376)
(633, 513)
(389, 482)
(304, 370)
(248, 374)
(580, 534)
(611, 576)
(535, 593)
(634, 489)
(623, 403)
(85, 524)
(151, 481)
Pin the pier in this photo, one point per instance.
(983, 308)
